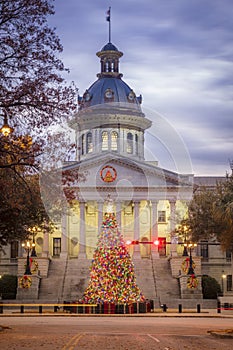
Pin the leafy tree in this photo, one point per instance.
(210, 287)
(33, 96)
(201, 220)
(21, 207)
(32, 90)
(223, 212)
(211, 214)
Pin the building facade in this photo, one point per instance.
(148, 200)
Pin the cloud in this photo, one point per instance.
(177, 54)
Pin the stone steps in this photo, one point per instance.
(76, 279)
(68, 278)
(167, 286)
(145, 277)
(51, 287)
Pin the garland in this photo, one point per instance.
(192, 282)
(33, 265)
(25, 282)
(185, 265)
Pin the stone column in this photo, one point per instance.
(136, 251)
(64, 233)
(45, 251)
(82, 229)
(154, 228)
(141, 144)
(118, 215)
(174, 239)
(100, 216)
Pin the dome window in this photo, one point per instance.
(129, 148)
(136, 143)
(87, 96)
(131, 96)
(89, 148)
(114, 141)
(109, 95)
(104, 141)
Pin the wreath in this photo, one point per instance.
(185, 265)
(192, 282)
(25, 282)
(110, 174)
(33, 265)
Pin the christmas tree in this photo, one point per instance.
(112, 278)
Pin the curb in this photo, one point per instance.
(223, 333)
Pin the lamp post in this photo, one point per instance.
(28, 246)
(6, 130)
(185, 251)
(33, 232)
(223, 278)
(191, 270)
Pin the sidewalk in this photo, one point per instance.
(156, 313)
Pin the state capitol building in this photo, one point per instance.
(149, 202)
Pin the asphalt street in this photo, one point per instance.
(113, 333)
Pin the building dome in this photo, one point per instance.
(110, 118)
(109, 87)
(109, 47)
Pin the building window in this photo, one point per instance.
(228, 255)
(136, 144)
(56, 246)
(89, 147)
(14, 249)
(229, 283)
(161, 216)
(129, 148)
(204, 249)
(104, 141)
(114, 141)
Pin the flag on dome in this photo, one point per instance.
(108, 13)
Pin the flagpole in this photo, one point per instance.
(110, 30)
(109, 24)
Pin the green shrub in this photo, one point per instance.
(8, 286)
(210, 287)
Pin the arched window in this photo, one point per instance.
(104, 141)
(83, 144)
(129, 148)
(136, 144)
(89, 144)
(114, 141)
(107, 66)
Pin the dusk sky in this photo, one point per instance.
(177, 53)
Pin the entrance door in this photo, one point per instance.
(162, 246)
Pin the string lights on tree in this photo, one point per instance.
(112, 277)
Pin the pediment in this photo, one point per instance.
(115, 171)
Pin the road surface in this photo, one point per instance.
(113, 333)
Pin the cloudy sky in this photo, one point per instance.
(177, 53)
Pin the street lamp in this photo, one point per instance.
(223, 278)
(33, 232)
(6, 130)
(191, 270)
(185, 251)
(28, 246)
